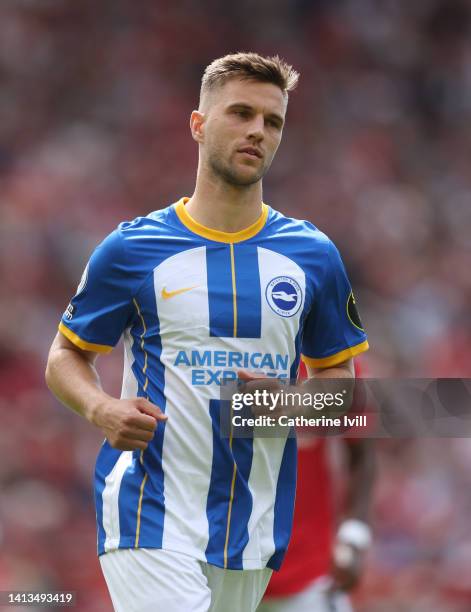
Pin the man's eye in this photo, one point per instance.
(241, 113)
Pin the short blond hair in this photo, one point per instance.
(249, 66)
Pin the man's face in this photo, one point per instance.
(241, 129)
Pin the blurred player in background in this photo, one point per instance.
(322, 565)
(215, 284)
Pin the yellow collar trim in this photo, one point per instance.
(218, 236)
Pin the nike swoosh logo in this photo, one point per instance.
(166, 295)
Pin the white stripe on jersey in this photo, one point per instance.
(130, 384)
(268, 452)
(110, 500)
(187, 448)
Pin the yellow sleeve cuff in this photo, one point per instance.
(333, 360)
(83, 344)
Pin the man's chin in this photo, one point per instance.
(239, 175)
(246, 181)
(244, 177)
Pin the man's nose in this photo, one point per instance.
(257, 128)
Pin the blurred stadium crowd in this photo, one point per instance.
(94, 108)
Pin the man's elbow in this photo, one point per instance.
(55, 362)
(49, 372)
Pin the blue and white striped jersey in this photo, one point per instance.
(195, 305)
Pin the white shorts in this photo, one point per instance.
(154, 580)
(317, 597)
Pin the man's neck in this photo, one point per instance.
(225, 207)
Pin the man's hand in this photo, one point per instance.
(128, 424)
(260, 382)
(347, 566)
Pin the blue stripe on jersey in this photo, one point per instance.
(286, 485)
(106, 460)
(217, 505)
(228, 521)
(141, 495)
(242, 450)
(153, 501)
(284, 503)
(220, 295)
(249, 308)
(293, 373)
(129, 494)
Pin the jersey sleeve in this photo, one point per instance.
(333, 331)
(102, 307)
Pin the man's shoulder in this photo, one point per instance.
(160, 222)
(143, 243)
(299, 230)
(160, 233)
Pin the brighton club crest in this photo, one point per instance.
(284, 296)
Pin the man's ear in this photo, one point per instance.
(197, 125)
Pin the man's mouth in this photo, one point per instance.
(253, 151)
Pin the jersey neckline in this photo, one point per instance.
(217, 235)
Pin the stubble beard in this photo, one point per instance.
(229, 175)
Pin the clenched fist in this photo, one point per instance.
(128, 424)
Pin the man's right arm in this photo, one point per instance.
(128, 424)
